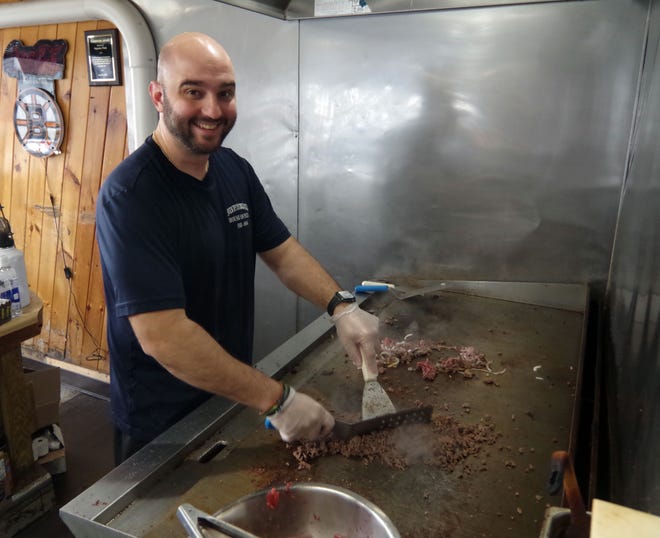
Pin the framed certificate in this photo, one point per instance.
(103, 57)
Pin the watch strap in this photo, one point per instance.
(339, 297)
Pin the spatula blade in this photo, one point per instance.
(345, 430)
(375, 401)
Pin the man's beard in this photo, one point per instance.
(180, 129)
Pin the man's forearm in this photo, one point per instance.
(188, 352)
(301, 273)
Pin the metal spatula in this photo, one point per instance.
(375, 401)
(346, 430)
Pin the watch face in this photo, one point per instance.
(347, 295)
(38, 122)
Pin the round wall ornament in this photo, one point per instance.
(38, 122)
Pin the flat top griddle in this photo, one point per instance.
(498, 492)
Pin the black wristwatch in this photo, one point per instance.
(342, 296)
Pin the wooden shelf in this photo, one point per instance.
(17, 409)
(25, 326)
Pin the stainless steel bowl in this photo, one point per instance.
(309, 510)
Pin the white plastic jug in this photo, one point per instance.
(13, 258)
(11, 291)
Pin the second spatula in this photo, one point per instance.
(375, 401)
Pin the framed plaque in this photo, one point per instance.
(103, 57)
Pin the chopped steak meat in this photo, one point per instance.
(429, 371)
(443, 443)
(393, 353)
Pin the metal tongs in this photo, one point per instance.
(562, 473)
(192, 519)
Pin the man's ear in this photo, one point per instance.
(156, 93)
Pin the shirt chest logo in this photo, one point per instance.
(238, 215)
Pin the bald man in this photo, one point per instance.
(179, 224)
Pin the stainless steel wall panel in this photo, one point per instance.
(298, 9)
(481, 144)
(265, 55)
(476, 144)
(634, 303)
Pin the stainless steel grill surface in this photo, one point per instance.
(533, 332)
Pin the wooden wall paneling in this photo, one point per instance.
(84, 245)
(35, 200)
(71, 182)
(94, 143)
(49, 247)
(114, 152)
(8, 92)
(21, 172)
(85, 341)
(54, 171)
(95, 346)
(19, 191)
(34, 218)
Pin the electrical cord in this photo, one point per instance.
(98, 354)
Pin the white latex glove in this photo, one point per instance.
(301, 417)
(358, 332)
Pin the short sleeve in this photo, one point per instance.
(137, 245)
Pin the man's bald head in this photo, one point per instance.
(190, 48)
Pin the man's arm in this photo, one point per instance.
(302, 273)
(188, 352)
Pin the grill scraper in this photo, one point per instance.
(345, 430)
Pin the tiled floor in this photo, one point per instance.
(87, 429)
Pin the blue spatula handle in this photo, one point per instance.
(371, 288)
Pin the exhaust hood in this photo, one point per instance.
(306, 9)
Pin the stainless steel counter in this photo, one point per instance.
(533, 331)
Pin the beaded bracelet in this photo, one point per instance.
(286, 390)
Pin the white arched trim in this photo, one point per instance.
(139, 50)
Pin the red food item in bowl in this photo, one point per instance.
(272, 499)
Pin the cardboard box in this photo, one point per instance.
(46, 388)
